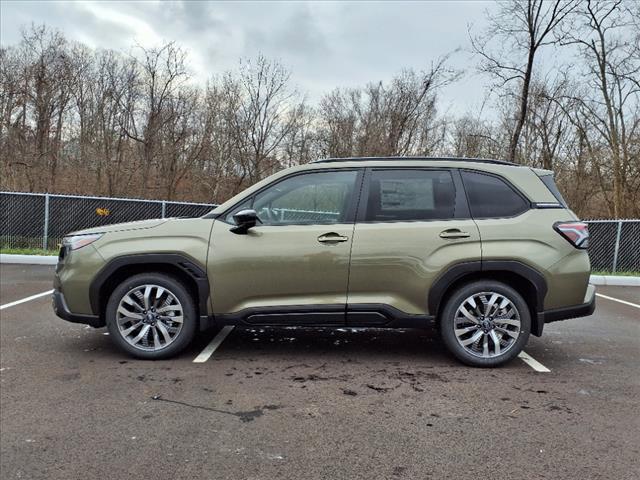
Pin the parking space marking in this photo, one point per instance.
(618, 300)
(28, 299)
(215, 343)
(532, 362)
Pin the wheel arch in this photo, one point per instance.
(118, 269)
(530, 283)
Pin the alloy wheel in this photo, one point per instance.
(149, 317)
(487, 324)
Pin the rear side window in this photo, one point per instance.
(553, 188)
(492, 197)
(407, 195)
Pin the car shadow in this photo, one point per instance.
(354, 344)
(305, 345)
(253, 343)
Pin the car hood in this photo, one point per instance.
(119, 227)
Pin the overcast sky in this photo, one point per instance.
(325, 44)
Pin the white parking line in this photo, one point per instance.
(28, 299)
(618, 300)
(532, 362)
(215, 343)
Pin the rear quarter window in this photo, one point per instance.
(553, 188)
(492, 197)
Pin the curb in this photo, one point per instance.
(604, 280)
(28, 259)
(614, 280)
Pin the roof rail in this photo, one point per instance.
(430, 159)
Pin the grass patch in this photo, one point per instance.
(27, 251)
(617, 274)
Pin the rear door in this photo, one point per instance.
(412, 225)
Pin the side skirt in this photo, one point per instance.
(385, 316)
(361, 315)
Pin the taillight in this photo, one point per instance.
(576, 233)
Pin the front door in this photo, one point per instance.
(294, 266)
(413, 225)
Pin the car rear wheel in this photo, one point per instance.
(485, 323)
(151, 316)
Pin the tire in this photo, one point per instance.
(168, 301)
(510, 325)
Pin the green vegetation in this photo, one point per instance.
(27, 251)
(19, 245)
(617, 274)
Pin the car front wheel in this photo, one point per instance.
(485, 323)
(151, 316)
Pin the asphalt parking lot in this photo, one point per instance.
(311, 403)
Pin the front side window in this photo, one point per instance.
(409, 195)
(311, 198)
(492, 197)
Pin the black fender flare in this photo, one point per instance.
(182, 262)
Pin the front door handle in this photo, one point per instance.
(454, 233)
(332, 237)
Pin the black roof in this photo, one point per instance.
(430, 159)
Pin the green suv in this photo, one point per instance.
(485, 250)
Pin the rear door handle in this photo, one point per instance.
(332, 237)
(454, 233)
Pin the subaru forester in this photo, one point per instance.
(484, 250)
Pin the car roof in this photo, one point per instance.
(392, 159)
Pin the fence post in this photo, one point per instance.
(45, 233)
(617, 247)
(164, 209)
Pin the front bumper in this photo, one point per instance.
(61, 310)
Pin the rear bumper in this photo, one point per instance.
(574, 311)
(61, 310)
(566, 313)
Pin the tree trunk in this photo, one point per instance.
(524, 103)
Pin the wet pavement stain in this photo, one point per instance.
(380, 389)
(315, 378)
(245, 417)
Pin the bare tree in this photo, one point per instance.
(219, 154)
(81, 120)
(509, 45)
(12, 104)
(336, 136)
(115, 94)
(162, 74)
(268, 112)
(612, 68)
(395, 119)
(38, 103)
(547, 127)
(471, 137)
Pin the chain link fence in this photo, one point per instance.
(39, 221)
(614, 245)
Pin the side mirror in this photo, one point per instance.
(245, 219)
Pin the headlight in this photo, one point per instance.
(78, 241)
